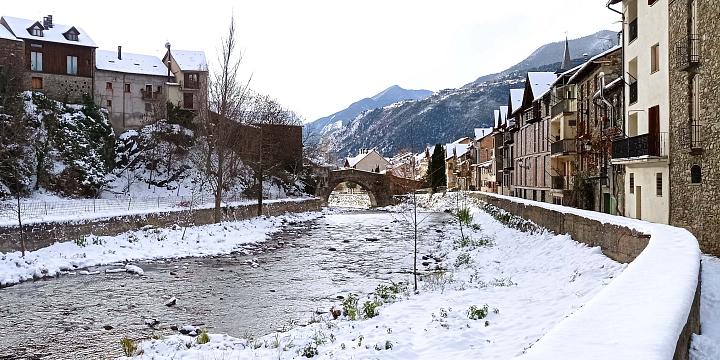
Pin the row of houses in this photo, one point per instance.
(64, 62)
(629, 132)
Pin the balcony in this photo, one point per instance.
(563, 147)
(632, 30)
(509, 164)
(633, 92)
(687, 52)
(149, 95)
(508, 137)
(560, 183)
(564, 106)
(646, 145)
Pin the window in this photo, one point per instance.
(108, 103)
(108, 86)
(72, 65)
(71, 36)
(695, 174)
(37, 83)
(655, 58)
(127, 88)
(632, 183)
(188, 100)
(652, 2)
(36, 61)
(695, 124)
(36, 31)
(148, 88)
(192, 81)
(658, 184)
(148, 107)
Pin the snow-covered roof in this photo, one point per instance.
(496, 117)
(456, 149)
(591, 61)
(516, 98)
(6, 34)
(460, 140)
(540, 82)
(503, 114)
(190, 60)
(352, 161)
(482, 132)
(19, 27)
(130, 63)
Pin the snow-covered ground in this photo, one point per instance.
(145, 244)
(357, 201)
(707, 345)
(516, 285)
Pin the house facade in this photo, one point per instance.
(643, 148)
(190, 71)
(131, 87)
(532, 148)
(367, 160)
(514, 115)
(458, 161)
(500, 117)
(483, 169)
(563, 140)
(59, 59)
(695, 145)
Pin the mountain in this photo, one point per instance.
(550, 53)
(447, 114)
(386, 97)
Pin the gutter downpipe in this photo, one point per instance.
(624, 102)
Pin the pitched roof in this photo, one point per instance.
(516, 98)
(456, 149)
(482, 132)
(19, 27)
(190, 60)
(540, 83)
(130, 63)
(503, 113)
(583, 67)
(6, 34)
(496, 117)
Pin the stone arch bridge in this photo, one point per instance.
(382, 188)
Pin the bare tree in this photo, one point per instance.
(219, 118)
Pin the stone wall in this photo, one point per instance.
(65, 88)
(696, 206)
(619, 243)
(44, 234)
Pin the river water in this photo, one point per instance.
(300, 271)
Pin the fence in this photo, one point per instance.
(77, 208)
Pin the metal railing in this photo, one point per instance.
(564, 106)
(651, 144)
(688, 52)
(633, 30)
(633, 92)
(566, 146)
(695, 135)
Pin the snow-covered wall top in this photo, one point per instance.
(639, 315)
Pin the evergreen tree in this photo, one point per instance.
(436, 168)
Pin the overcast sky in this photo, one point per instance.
(318, 56)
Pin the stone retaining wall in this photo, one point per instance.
(619, 243)
(44, 234)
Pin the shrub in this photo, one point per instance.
(81, 241)
(309, 351)
(464, 216)
(477, 313)
(349, 306)
(389, 292)
(463, 259)
(203, 337)
(370, 308)
(128, 346)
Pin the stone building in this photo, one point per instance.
(11, 49)
(131, 87)
(598, 87)
(532, 148)
(694, 81)
(60, 59)
(367, 160)
(483, 170)
(458, 158)
(190, 71)
(643, 146)
(514, 113)
(563, 139)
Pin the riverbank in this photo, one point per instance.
(491, 296)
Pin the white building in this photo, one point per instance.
(130, 87)
(367, 160)
(644, 149)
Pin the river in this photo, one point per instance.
(262, 288)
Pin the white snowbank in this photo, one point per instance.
(639, 315)
(144, 244)
(707, 345)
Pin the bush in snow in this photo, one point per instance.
(350, 306)
(203, 337)
(128, 346)
(477, 313)
(463, 259)
(464, 216)
(370, 308)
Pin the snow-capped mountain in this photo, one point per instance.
(386, 97)
(447, 114)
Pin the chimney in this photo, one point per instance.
(49, 21)
(46, 26)
(119, 52)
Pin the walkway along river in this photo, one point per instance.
(265, 287)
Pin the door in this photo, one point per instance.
(638, 202)
(654, 131)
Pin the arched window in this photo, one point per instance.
(695, 174)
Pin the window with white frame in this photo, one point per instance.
(72, 65)
(36, 61)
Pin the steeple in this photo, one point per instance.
(567, 61)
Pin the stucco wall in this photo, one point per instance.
(45, 234)
(131, 104)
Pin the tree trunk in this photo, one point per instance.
(260, 175)
(219, 187)
(19, 217)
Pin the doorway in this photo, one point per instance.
(638, 202)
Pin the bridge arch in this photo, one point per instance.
(331, 185)
(380, 187)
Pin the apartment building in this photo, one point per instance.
(499, 117)
(695, 145)
(458, 158)
(644, 144)
(190, 71)
(483, 169)
(514, 115)
(532, 148)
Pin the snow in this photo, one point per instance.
(540, 83)
(143, 244)
(641, 314)
(534, 280)
(482, 132)
(130, 63)
(7, 35)
(19, 27)
(457, 150)
(707, 345)
(190, 60)
(516, 98)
